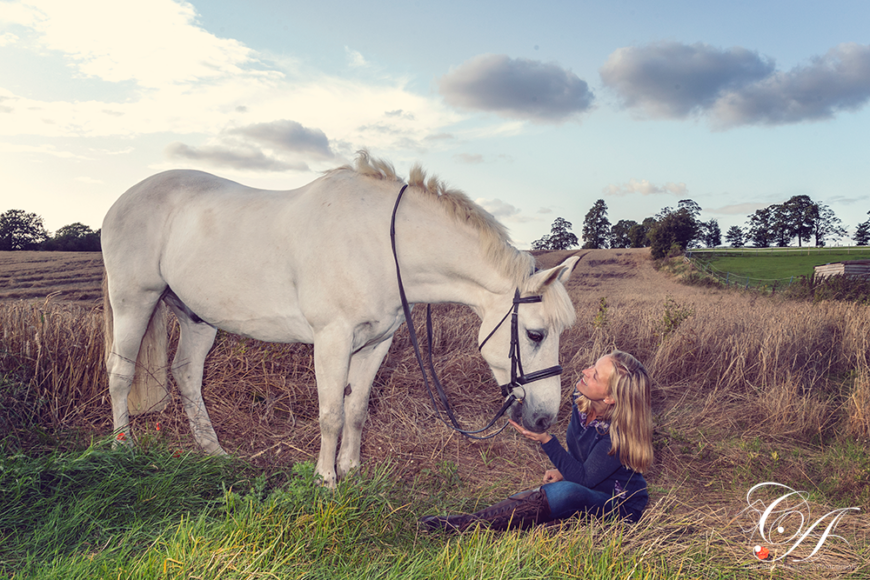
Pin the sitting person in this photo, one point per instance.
(609, 443)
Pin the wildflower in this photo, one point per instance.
(177, 453)
(761, 552)
(121, 436)
(157, 428)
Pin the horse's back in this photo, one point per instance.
(257, 262)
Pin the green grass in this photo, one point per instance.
(106, 513)
(764, 266)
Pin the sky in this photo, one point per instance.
(534, 110)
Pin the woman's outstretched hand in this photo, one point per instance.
(539, 437)
(552, 475)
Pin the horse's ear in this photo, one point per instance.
(544, 278)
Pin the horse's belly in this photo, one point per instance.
(270, 329)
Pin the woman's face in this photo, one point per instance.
(595, 380)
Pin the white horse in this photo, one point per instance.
(314, 265)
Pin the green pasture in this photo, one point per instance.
(763, 266)
(151, 513)
(147, 513)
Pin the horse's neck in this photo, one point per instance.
(449, 266)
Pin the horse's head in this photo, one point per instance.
(538, 326)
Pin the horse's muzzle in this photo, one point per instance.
(537, 422)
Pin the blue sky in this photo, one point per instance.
(535, 110)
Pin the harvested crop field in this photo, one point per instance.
(66, 276)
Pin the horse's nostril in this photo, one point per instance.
(541, 424)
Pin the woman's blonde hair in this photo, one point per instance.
(630, 416)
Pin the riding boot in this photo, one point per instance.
(520, 511)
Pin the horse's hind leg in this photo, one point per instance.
(194, 343)
(364, 366)
(130, 317)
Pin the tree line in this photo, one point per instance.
(672, 230)
(20, 230)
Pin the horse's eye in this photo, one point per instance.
(535, 336)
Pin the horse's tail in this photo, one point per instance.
(148, 392)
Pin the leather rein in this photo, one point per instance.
(518, 377)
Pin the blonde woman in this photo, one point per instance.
(609, 442)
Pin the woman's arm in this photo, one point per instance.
(597, 467)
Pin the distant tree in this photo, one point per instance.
(711, 234)
(20, 230)
(734, 236)
(691, 214)
(690, 206)
(596, 226)
(75, 237)
(664, 211)
(639, 234)
(826, 225)
(862, 234)
(619, 233)
(760, 228)
(676, 229)
(694, 210)
(559, 238)
(542, 244)
(800, 213)
(781, 225)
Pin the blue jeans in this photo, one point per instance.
(567, 498)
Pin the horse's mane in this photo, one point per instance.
(494, 237)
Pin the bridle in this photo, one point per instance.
(518, 377)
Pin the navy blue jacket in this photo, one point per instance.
(587, 462)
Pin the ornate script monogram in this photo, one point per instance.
(781, 524)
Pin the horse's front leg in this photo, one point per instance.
(364, 366)
(332, 348)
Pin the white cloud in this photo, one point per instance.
(644, 187)
(8, 38)
(244, 158)
(736, 86)
(468, 158)
(498, 208)
(354, 58)
(50, 150)
(152, 43)
(516, 88)
(172, 76)
(20, 13)
(672, 80)
(276, 146)
(837, 81)
(89, 180)
(288, 136)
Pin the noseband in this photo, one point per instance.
(518, 377)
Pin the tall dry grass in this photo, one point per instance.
(720, 360)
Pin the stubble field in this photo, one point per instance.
(747, 389)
